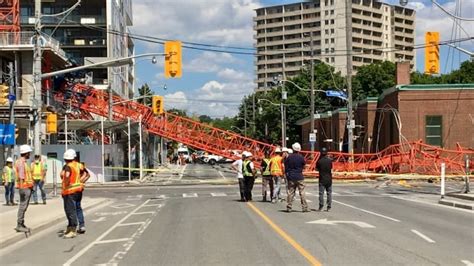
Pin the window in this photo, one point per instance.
(434, 130)
(332, 31)
(332, 59)
(332, 40)
(326, 31)
(326, 41)
(386, 27)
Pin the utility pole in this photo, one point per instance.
(11, 81)
(245, 117)
(311, 131)
(350, 122)
(282, 106)
(253, 114)
(37, 101)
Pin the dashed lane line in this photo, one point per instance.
(190, 195)
(101, 237)
(429, 240)
(142, 213)
(112, 241)
(367, 211)
(467, 263)
(219, 194)
(310, 258)
(130, 224)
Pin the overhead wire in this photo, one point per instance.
(449, 13)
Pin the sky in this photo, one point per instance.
(214, 83)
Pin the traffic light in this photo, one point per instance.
(173, 59)
(157, 104)
(4, 92)
(432, 53)
(52, 123)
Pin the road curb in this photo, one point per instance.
(20, 236)
(456, 204)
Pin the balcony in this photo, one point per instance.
(25, 40)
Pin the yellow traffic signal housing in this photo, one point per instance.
(432, 53)
(4, 92)
(52, 123)
(173, 59)
(157, 104)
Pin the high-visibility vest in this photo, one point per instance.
(8, 174)
(28, 180)
(266, 170)
(37, 170)
(75, 184)
(245, 168)
(276, 167)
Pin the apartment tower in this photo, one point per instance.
(379, 32)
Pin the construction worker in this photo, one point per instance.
(8, 179)
(249, 171)
(80, 214)
(24, 183)
(39, 176)
(237, 166)
(324, 167)
(267, 180)
(71, 186)
(294, 165)
(276, 170)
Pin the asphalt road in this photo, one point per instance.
(206, 225)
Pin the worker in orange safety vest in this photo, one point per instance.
(277, 170)
(24, 183)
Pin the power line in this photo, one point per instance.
(449, 13)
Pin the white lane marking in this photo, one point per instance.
(85, 249)
(135, 197)
(190, 195)
(100, 219)
(122, 206)
(110, 213)
(335, 193)
(429, 240)
(112, 241)
(161, 197)
(219, 194)
(154, 205)
(366, 211)
(358, 223)
(182, 172)
(349, 193)
(141, 213)
(468, 263)
(433, 204)
(130, 224)
(222, 175)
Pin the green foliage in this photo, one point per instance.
(371, 80)
(178, 112)
(145, 90)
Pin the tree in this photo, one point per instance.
(145, 90)
(371, 80)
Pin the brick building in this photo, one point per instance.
(440, 115)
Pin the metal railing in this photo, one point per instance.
(26, 39)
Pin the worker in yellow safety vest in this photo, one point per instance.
(39, 169)
(277, 170)
(8, 179)
(24, 183)
(249, 172)
(71, 188)
(267, 180)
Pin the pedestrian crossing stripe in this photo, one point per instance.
(190, 195)
(219, 194)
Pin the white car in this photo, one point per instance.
(213, 159)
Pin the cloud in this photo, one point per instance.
(209, 62)
(211, 21)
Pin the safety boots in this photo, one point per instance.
(70, 232)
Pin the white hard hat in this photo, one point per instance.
(25, 149)
(290, 151)
(296, 146)
(9, 160)
(285, 149)
(247, 154)
(70, 154)
(278, 149)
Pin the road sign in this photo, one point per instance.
(11, 97)
(326, 222)
(7, 134)
(338, 94)
(312, 137)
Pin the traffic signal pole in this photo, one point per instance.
(37, 102)
(350, 123)
(12, 79)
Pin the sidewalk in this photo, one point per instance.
(459, 200)
(38, 217)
